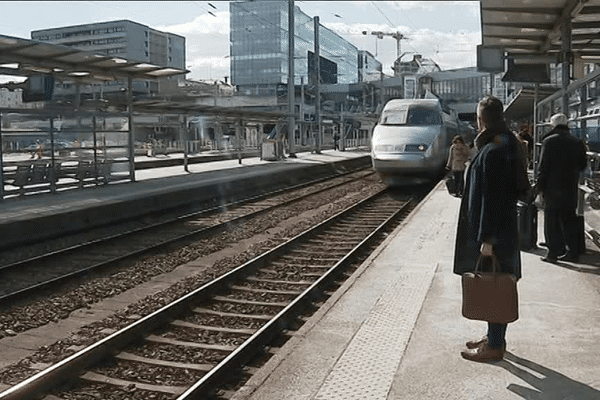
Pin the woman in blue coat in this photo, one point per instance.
(488, 213)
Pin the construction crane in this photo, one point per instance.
(396, 35)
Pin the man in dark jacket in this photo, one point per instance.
(562, 158)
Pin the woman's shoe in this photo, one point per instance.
(473, 344)
(483, 353)
(550, 259)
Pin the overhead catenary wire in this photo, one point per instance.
(205, 9)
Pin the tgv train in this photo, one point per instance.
(411, 140)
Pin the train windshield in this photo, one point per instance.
(413, 115)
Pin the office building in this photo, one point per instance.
(126, 39)
(259, 49)
(369, 69)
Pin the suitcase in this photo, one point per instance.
(527, 225)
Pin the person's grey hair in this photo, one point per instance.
(559, 119)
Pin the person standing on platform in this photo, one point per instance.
(487, 224)
(526, 137)
(457, 162)
(562, 158)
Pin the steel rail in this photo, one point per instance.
(70, 367)
(51, 283)
(286, 317)
(249, 199)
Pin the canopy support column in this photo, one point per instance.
(131, 136)
(565, 55)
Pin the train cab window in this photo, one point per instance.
(423, 117)
(412, 116)
(393, 118)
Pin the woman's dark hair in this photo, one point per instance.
(491, 111)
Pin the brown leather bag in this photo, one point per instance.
(490, 296)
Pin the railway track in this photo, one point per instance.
(23, 278)
(189, 348)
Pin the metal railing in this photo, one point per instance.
(45, 152)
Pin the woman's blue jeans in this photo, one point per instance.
(496, 334)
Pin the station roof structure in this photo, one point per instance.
(24, 57)
(159, 106)
(532, 29)
(531, 33)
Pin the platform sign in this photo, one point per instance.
(490, 59)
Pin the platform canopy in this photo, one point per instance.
(531, 30)
(24, 57)
(533, 34)
(248, 114)
(521, 105)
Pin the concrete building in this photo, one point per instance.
(259, 49)
(123, 38)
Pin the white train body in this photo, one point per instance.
(411, 140)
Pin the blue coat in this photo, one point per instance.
(488, 211)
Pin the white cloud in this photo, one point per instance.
(207, 45)
(449, 49)
(411, 5)
(207, 40)
(202, 24)
(427, 5)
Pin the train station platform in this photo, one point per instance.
(38, 216)
(394, 330)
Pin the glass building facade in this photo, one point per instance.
(259, 48)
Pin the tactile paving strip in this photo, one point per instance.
(366, 369)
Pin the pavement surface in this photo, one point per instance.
(395, 330)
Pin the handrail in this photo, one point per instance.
(571, 88)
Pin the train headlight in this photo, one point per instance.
(416, 148)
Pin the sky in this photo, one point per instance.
(446, 32)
